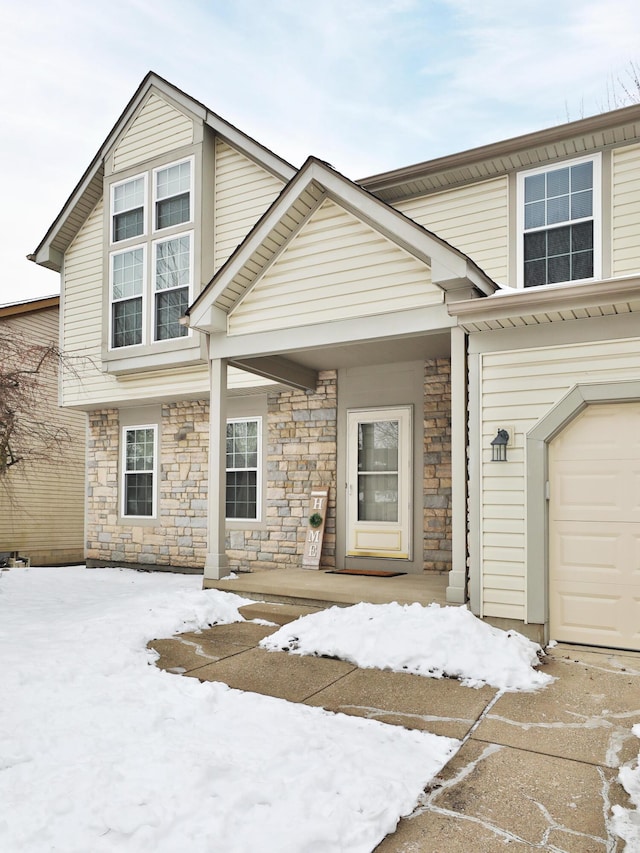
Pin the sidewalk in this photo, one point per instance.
(535, 771)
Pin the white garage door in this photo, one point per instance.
(594, 528)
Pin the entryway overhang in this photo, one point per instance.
(369, 285)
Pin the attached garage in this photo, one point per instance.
(594, 528)
(554, 529)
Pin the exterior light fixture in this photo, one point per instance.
(499, 446)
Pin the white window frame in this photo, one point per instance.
(145, 213)
(258, 517)
(124, 472)
(152, 282)
(155, 199)
(113, 255)
(596, 160)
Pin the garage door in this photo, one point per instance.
(594, 528)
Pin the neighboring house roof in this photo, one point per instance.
(88, 191)
(521, 152)
(314, 182)
(26, 306)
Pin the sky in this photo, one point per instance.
(367, 85)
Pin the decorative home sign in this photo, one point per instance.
(315, 528)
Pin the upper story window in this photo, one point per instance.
(127, 209)
(173, 195)
(559, 214)
(151, 279)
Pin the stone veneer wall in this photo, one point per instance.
(437, 464)
(301, 453)
(178, 537)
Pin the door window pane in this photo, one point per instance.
(377, 497)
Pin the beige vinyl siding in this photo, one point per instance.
(625, 249)
(86, 385)
(474, 219)
(337, 267)
(518, 387)
(244, 191)
(42, 501)
(157, 129)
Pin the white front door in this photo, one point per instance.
(379, 483)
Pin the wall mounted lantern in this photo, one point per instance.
(499, 446)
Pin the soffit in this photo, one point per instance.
(573, 139)
(548, 305)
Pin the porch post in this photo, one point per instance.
(216, 564)
(456, 589)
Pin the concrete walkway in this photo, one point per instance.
(536, 771)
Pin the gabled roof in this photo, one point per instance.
(572, 139)
(316, 180)
(88, 191)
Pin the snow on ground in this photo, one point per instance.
(626, 822)
(102, 751)
(433, 641)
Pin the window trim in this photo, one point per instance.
(154, 193)
(124, 472)
(258, 469)
(596, 218)
(112, 213)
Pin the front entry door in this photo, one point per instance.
(379, 483)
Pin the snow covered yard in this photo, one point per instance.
(100, 751)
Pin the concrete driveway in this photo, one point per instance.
(536, 771)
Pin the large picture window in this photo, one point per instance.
(243, 469)
(559, 210)
(139, 471)
(151, 280)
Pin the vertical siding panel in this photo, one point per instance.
(474, 219)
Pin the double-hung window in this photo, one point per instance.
(243, 469)
(139, 454)
(559, 217)
(173, 195)
(151, 264)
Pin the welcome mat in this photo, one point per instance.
(370, 573)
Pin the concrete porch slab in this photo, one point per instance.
(320, 589)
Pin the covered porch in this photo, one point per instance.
(324, 588)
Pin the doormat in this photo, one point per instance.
(369, 573)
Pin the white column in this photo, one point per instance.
(216, 564)
(458, 574)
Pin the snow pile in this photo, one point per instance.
(433, 641)
(99, 751)
(626, 822)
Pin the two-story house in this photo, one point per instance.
(451, 348)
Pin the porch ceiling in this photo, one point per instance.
(334, 357)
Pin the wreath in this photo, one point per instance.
(315, 520)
